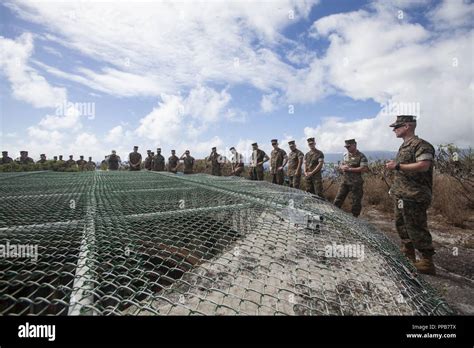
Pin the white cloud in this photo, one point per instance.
(26, 84)
(115, 134)
(374, 55)
(178, 45)
(269, 102)
(69, 120)
(176, 116)
(453, 13)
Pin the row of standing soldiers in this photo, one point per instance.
(24, 159)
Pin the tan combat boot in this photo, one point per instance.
(425, 265)
(409, 251)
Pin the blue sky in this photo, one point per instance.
(228, 74)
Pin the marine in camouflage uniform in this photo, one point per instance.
(61, 162)
(237, 162)
(5, 159)
(81, 163)
(259, 157)
(70, 163)
(158, 163)
(313, 165)
(278, 160)
(113, 161)
(42, 159)
(295, 163)
(135, 159)
(173, 162)
(215, 159)
(91, 165)
(148, 160)
(412, 192)
(354, 164)
(188, 162)
(24, 159)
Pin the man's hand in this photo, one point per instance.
(344, 167)
(390, 165)
(280, 168)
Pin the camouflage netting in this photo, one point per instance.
(148, 243)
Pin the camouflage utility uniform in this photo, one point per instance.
(256, 171)
(314, 183)
(216, 168)
(237, 164)
(158, 163)
(276, 161)
(135, 160)
(113, 162)
(295, 176)
(188, 164)
(352, 182)
(413, 192)
(173, 162)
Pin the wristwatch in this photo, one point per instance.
(397, 167)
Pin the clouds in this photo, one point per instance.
(26, 83)
(163, 47)
(178, 117)
(218, 62)
(375, 55)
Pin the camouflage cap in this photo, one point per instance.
(232, 148)
(148, 151)
(350, 142)
(310, 140)
(23, 151)
(4, 151)
(135, 147)
(291, 142)
(254, 144)
(274, 141)
(71, 156)
(81, 156)
(402, 119)
(158, 149)
(214, 148)
(173, 150)
(42, 155)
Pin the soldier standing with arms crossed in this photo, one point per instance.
(313, 164)
(354, 164)
(412, 190)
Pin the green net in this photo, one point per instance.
(150, 243)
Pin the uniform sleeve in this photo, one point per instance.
(283, 152)
(301, 156)
(424, 152)
(321, 157)
(363, 161)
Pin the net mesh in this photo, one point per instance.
(150, 243)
